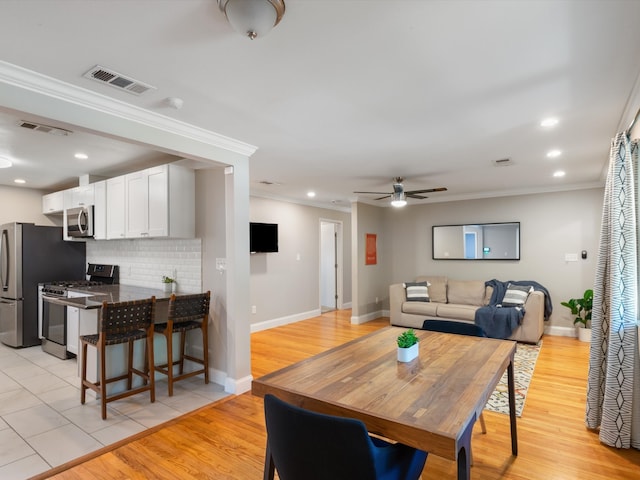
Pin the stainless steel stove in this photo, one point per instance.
(53, 316)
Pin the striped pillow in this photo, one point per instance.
(417, 291)
(516, 295)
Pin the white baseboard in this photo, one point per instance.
(346, 305)
(238, 386)
(560, 331)
(277, 322)
(368, 317)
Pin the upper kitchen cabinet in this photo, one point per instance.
(160, 202)
(81, 196)
(53, 203)
(115, 206)
(100, 210)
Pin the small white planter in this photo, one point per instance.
(167, 287)
(408, 354)
(584, 334)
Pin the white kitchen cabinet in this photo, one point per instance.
(100, 210)
(73, 329)
(160, 202)
(81, 196)
(115, 207)
(53, 203)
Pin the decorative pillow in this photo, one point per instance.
(417, 291)
(516, 295)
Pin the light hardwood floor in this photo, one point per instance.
(226, 440)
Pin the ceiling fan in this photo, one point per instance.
(399, 195)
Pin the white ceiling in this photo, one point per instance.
(344, 95)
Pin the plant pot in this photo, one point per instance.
(584, 334)
(408, 354)
(167, 287)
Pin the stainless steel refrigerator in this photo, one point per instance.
(32, 254)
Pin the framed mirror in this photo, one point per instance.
(480, 241)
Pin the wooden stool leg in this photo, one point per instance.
(83, 387)
(183, 337)
(168, 335)
(205, 350)
(149, 361)
(130, 366)
(103, 378)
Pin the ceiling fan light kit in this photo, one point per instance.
(399, 195)
(253, 18)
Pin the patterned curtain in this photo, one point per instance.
(613, 389)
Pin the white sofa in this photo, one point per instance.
(458, 300)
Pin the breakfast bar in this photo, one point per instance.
(87, 301)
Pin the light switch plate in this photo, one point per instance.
(570, 257)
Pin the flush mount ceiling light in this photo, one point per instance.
(253, 18)
(554, 153)
(549, 122)
(81, 156)
(5, 162)
(398, 199)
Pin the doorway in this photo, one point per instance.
(330, 265)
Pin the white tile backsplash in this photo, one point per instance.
(144, 262)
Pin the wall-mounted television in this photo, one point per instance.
(263, 237)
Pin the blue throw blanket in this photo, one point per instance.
(498, 321)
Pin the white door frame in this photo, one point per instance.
(339, 261)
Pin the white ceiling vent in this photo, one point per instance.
(39, 127)
(503, 162)
(117, 80)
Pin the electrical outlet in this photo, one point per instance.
(253, 309)
(376, 299)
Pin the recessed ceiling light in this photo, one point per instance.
(5, 162)
(559, 173)
(311, 194)
(81, 156)
(554, 153)
(549, 122)
(19, 180)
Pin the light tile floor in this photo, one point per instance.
(43, 424)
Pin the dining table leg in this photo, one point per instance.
(512, 407)
(464, 453)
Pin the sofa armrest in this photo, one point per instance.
(532, 326)
(397, 297)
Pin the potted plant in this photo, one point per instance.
(168, 283)
(581, 308)
(407, 346)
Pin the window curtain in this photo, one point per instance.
(613, 387)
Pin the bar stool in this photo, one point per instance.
(186, 312)
(122, 322)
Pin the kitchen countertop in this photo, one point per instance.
(109, 293)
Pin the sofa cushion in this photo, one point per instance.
(457, 311)
(417, 291)
(421, 308)
(466, 292)
(437, 287)
(516, 295)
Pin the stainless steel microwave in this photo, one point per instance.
(80, 222)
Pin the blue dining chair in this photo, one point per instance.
(313, 446)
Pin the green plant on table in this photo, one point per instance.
(166, 279)
(407, 339)
(581, 308)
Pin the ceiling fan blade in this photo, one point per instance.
(375, 193)
(382, 198)
(427, 190)
(413, 195)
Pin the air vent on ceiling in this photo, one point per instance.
(503, 162)
(39, 127)
(269, 182)
(117, 80)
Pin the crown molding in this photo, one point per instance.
(52, 88)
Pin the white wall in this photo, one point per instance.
(20, 204)
(370, 281)
(285, 286)
(552, 225)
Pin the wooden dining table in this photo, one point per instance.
(430, 403)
